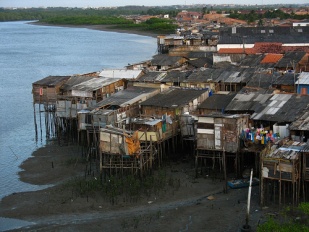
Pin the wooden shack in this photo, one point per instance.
(187, 126)
(281, 173)
(305, 173)
(220, 132)
(218, 139)
(122, 154)
(46, 90)
(174, 102)
(96, 88)
(116, 110)
(160, 133)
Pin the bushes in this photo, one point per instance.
(292, 220)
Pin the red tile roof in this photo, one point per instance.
(271, 58)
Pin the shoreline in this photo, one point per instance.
(61, 208)
(100, 28)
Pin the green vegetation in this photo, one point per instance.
(115, 18)
(269, 14)
(296, 220)
(86, 20)
(128, 189)
(156, 25)
(40, 13)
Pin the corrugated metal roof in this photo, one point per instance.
(126, 96)
(286, 79)
(120, 73)
(283, 108)
(290, 59)
(51, 80)
(301, 123)
(284, 153)
(165, 60)
(303, 78)
(201, 62)
(152, 76)
(251, 35)
(94, 84)
(248, 102)
(252, 61)
(174, 98)
(148, 121)
(217, 101)
(175, 76)
(75, 80)
(261, 80)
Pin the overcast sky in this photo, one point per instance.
(105, 3)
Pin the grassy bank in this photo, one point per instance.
(160, 26)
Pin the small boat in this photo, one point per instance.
(242, 183)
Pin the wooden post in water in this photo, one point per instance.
(35, 124)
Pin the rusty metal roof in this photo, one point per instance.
(301, 123)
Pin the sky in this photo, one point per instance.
(105, 3)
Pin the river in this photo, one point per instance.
(29, 53)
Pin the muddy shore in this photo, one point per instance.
(102, 28)
(198, 204)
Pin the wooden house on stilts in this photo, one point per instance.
(281, 173)
(161, 115)
(218, 141)
(45, 92)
